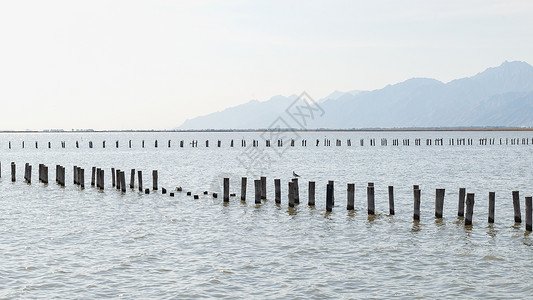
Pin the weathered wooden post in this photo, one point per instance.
(296, 191)
(140, 179)
(75, 175)
(277, 191)
(117, 171)
(82, 178)
(516, 206)
(370, 198)
(123, 181)
(329, 197)
(13, 171)
(332, 192)
(311, 194)
(226, 189)
(461, 206)
(154, 179)
(391, 200)
(45, 171)
(351, 197)
(528, 213)
(102, 180)
(439, 202)
(416, 207)
(29, 173)
(243, 188)
(113, 177)
(132, 179)
(258, 191)
(93, 174)
(263, 187)
(469, 208)
(492, 200)
(291, 193)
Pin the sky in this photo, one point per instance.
(113, 65)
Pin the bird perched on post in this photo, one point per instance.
(294, 174)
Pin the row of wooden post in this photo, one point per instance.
(464, 198)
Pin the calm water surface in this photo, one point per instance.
(72, 243)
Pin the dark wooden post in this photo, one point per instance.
(132, 179)
(291, 194)
(154, 179)
(469, 208)
(13, 172)
(329, 197)
(296, 191)
(391, 200)
(226, 190)
(370, 198)
(82, 178)
(516, 206)
(351, 197)
(45, 170)
(492, 200)
(263, 187)
(439, 202)
(123, 181)
(102, 181)
(140, 179)
(258, 191)
(528, 213)
(416, 214)
(29, 173)
(75, 174)
(243, 188)
(117, 174)
(93, 174)
(332, 192)
(277, 190)
(311, 194)
(461, 206)
(113, 177)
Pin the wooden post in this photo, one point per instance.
(102, 181)
(13, 171)
(332, 192)
(113, 177)
(258, 191)
(439, 202)
(243, 188)
(291, 194)
(391, 200)
(277, 190)
(516, 205)
(123, 181)
(370, 198)
(154, 179)
(416, 214)
(117, 171)
(132, 179)
(45, 170)
(296, 191)
(351, 197)
(93, 174)
(75, 175)
(140, 179)
(263, 187)
(492, 200)
(82, 178)
(461, 206)
(329, 197)
(29, 173)
(226, 190)
(528, 213)
(311, 194)
(469, 208)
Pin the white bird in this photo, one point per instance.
(294, 174)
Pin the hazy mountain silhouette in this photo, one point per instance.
(499, 96)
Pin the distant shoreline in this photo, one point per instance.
(263, 130)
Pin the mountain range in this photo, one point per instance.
(497, 97)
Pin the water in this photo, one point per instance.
(58, 243)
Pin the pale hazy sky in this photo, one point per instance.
(153, 64)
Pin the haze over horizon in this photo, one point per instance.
(152, 65)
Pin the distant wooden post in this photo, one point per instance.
(226, 189)
(154, 180)
(29, 174)
(291, 194)
(469, 208)
(132, 179)
(296, 191)
(257, 184)
(439, 202)
(370, 198)
(461, 206)
(332, 192)
(155, 145)
(311, 194)
(263, 187)
(391, 200)
(492, 200)
(113, 177)
(351, 196)
(516, 206)
(13, 171)
(93, 174)
(329, 197)
(277, 190)
(416, 214)
(243, 188)
(140, 179)
(528, 213)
